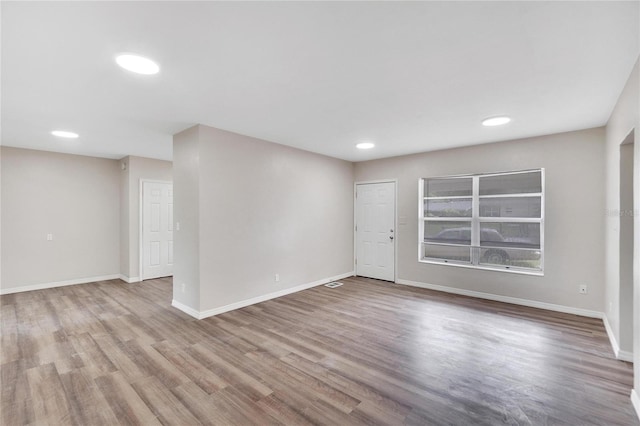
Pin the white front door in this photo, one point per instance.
(157, 230)
(375, 230)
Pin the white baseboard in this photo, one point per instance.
(620, 354)
(247, 302)
(506, 299)
(186, 309)
(43, 286)
(625, 356)
(612, 337)
(635, 400)
(129, 280)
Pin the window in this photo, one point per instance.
(490, 221)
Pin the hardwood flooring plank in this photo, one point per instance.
(321, 413)
(50, 404)
(18, 413)
(364, 393)
(281, 411)
(321, 389)
(14, 383)
(190, 367)
(121, 357)
(82, 393)
(94, 360)
(59, 350)
(125, 403)
(80, 321)
(117, 328)
(242, 403)
(227, 371)
(155, 364)
(368, 352)
(199, 403)
(370, 413)
(282, 342)
(168, 409)
(9, 350)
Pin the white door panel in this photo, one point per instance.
(157, 230)
(375, 230)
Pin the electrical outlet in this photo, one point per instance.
(277, 277)
(49, 237)
(177, 226)
(582, 289)
(182, 287)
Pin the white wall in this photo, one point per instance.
(626, 248)
(621, 123)
(264, 209)
(124, 219)
(0, 221)
(624, 120)
(73, 197)
(137, 168)
(186, 212)
(574, 253)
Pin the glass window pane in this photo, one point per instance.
(517, 183)
(511, 207)
(508, 234)
(456, 253)
(521, 258)
(452, 207)
(448, 187)
(448, 232)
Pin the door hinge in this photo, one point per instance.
(356, 227)
(356, 261)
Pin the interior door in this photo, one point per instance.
(157, 230)
(375, 230)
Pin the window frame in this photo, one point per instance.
(476, 223)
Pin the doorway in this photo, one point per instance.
(157, 230)
(375, 230)
(626, 247)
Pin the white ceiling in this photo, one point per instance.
(410, 77)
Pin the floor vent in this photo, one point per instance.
(333, 284)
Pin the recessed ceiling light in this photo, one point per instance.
(496, 121)
(64, 134)
(365, 145)
(137, 64)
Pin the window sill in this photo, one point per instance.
(511, 270)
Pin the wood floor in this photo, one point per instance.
(368, 352)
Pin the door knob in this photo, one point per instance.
(391, 237)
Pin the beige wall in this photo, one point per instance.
(264, 209)
(624, 120)
(137, 168)
(574, 254)
(73, 197)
